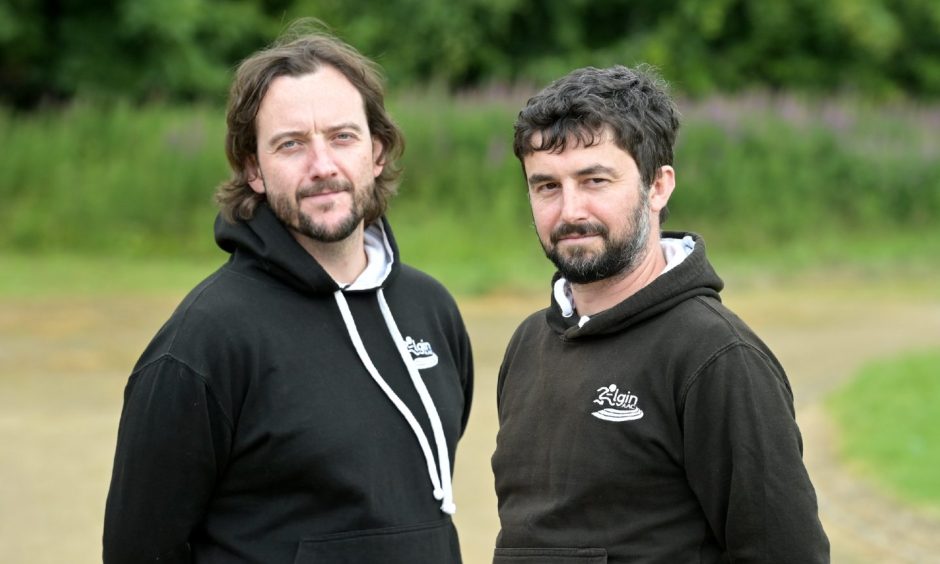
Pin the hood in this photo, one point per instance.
(264, 240)
(692, 277)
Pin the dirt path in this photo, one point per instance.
(64, 362)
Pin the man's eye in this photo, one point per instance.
(288, 144)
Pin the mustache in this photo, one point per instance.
(580, 229)
(322, 186)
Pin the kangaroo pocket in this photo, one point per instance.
(550, 556)
(427, 543)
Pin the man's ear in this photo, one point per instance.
(255, 179)
(378, 157)
(662, 188)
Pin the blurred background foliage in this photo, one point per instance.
(172, 50)
(810, 128)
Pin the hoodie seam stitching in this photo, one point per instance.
(737, 341)
(202, 378)
(697, 373)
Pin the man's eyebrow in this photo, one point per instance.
(580, 173)
(596, 169)
(273, 141)
(346, 125)
(283, 135)
(537, 178)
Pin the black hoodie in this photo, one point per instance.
(662, 430)
(277, 417)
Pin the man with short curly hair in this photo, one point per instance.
(640, 420)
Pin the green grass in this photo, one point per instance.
(891, 425)
(478, 260)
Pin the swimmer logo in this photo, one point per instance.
(622, 405)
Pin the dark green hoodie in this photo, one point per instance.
(661, 431)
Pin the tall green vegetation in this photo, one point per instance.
(755, 173)
(109, 179)
(775, 169)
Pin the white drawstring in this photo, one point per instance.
(443, 458)
(563, 297)
(444, 493)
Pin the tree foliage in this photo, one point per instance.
(185, 49)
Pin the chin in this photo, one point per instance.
(577, 252)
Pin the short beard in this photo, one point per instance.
(287, 209)
(618, 257)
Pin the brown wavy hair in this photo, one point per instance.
(302, 50)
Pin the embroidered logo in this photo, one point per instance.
(622, 405)
(421, 353)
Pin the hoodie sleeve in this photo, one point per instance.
(744, 462)
(172, 443)
(465, 366)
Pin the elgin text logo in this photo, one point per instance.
(622, 405)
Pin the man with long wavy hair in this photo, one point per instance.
(304, 402)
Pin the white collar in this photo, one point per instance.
(379, 259)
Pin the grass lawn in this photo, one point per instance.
(476, 261)
(890, 424)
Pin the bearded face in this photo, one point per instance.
(316, 159)
(622, 246)
(290, 210)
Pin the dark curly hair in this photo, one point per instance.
(577, 108)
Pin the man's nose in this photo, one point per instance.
(573, 209)
(322, 164)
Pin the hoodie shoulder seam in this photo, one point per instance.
(184, 313)
(202, 378)
(721, 351)
(737, 340)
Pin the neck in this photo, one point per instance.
(343, 260)
(595, 297)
